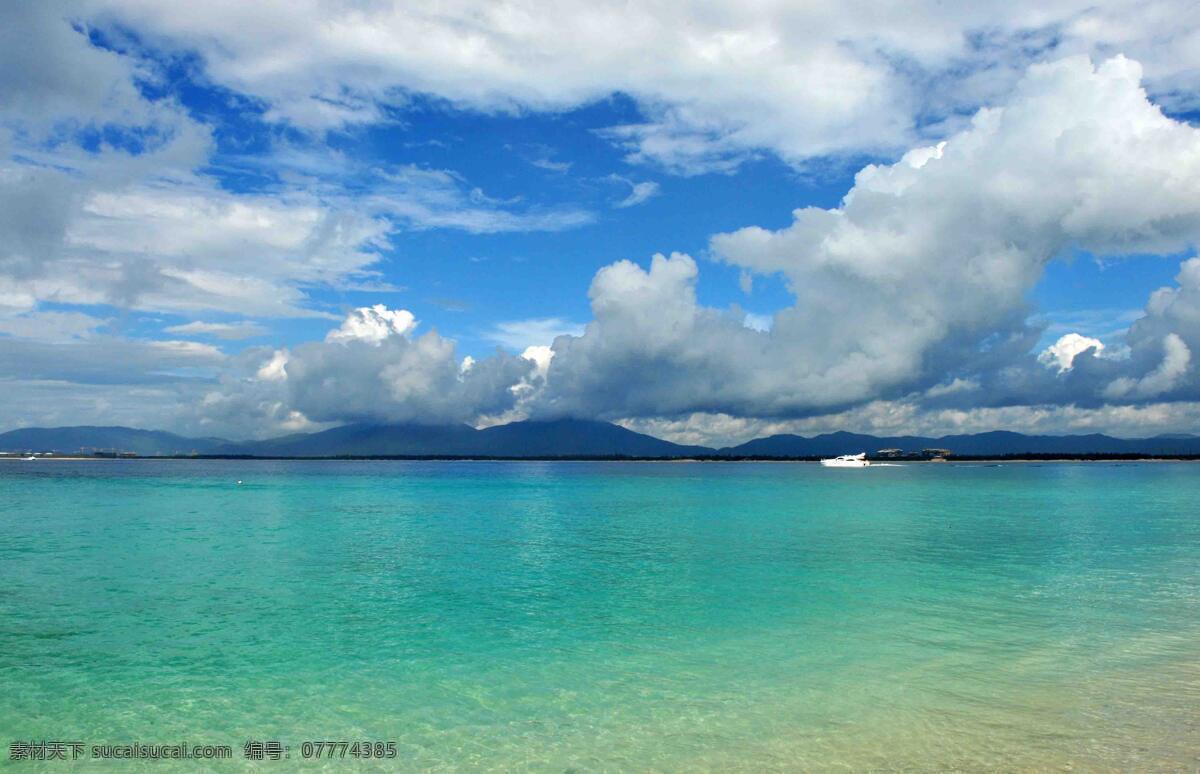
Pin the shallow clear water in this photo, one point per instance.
(609, 615)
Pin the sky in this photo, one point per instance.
(706, 221)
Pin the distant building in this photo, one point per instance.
(890, 453)
(936, 452)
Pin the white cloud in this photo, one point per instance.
(537, 331)
(541, 357)
(275, 368)
(947, 243)
(373, 368)
(52, 73)
(917, 285)
(104, 359)
(414, 197)
(638, 192)
(552, 166)
(1176, 359)
(437, 198)
(715, 82)
(133, 223)
(179, 248)
(1062, 353)
(1169, 311)
(922, 275)
(373, 324)
(130, 223)
(188, 348)
(758, 322)
(543, 157)
(50, 326)
(956, 386)
(902, 417)
(34, 402)
(651, 349)
(525, 391)
(745, 282)
(244, 329)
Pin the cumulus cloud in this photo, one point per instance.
(526, 391)
(373, 324)
(273, 369)
(373, 368)
(1176, 359)
(541, 357)
(651, 349)
(1062, 353)
(921, 275)
(1169, 328)
(132, 222)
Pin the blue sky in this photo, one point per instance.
(908, 220)
(465, 281)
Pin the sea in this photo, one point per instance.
(601, 616)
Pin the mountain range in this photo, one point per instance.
(560, 438)
(88, 439)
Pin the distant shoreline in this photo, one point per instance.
(1017, 458)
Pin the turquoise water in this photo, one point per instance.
(608, 616)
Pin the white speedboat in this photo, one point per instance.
(847, 461)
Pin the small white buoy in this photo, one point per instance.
(239, 481)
